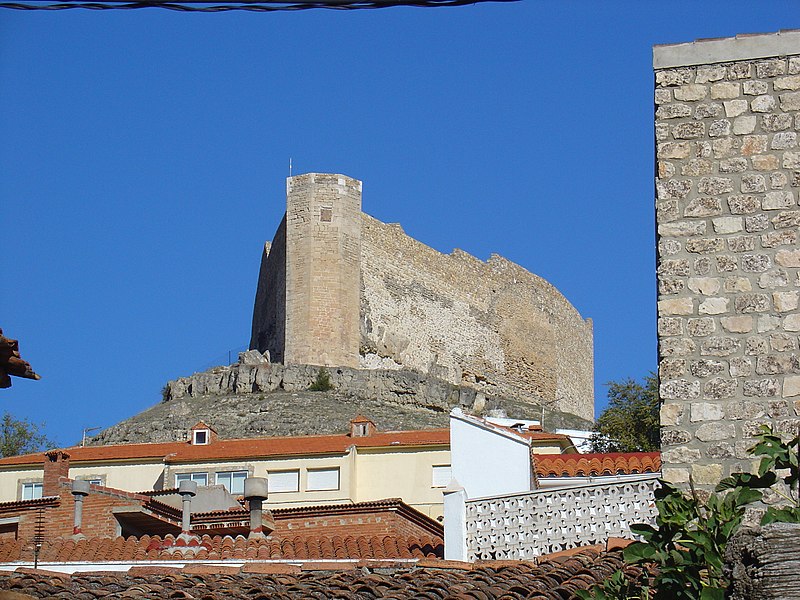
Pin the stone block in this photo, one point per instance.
(718, 388)
(792, 322)
(727, 224)
(783, 140)
(748, 303)
(742, 243)
(744, 125)
(675, 475)
(716, 128)
(785, 301)
(734, 108)
(680, 454)
(706, 368)
(678, 267)
(754, 88)
(679, 389)
(671, 368)
(671, 414)
(755, 263)
(668, 285)
(791, 386)
(689, 131)
(737, 284)
(756, 346)
(671, 437)
(773, 239)
(706, 474)
(720, 346)
(705, 245)
(778, 200)
(787, 219)
(725, 90)
(733, 165)
(682, 228)
(740, 366)
(696, 167)
(705, 411)
(744, 204)
(674, 150)
(770, 68)
(763, 104)
(753, 182)
(756, 223)
(790, 101)
(738, 324)
(707, 286)
(676, 347)
(702, 266)
(765, 162)
(712, 306)
(704, 206)
(691, 92)
(700, 327)
(726, 263)
(761, 388)
(676, 306)
(720, 450)
(663, 96)
(772, 364)
(668, 326)
(772, 279)
(788, 258)
(716, 431)
(782, 342)
(713, 186)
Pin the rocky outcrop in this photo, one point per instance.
(255, 398)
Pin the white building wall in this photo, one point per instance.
(488, 461)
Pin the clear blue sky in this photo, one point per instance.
(143, 157)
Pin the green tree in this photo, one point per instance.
(20, 436)
(631, 421)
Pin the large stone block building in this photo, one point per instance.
(339, 288)
(728, 171)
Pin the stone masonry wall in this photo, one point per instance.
(491, 325)
(323, 252)
(361, 293)
(728, 173)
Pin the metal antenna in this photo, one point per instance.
(290, 166)
(85, 431)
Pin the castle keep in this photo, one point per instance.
(339, 288)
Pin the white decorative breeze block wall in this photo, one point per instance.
(524, 526)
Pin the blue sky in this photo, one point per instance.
(143, 157)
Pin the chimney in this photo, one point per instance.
(187, 489)
(255, 492)
(80, 489)
(56, 466)
(361, 426)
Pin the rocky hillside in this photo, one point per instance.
(255, 398)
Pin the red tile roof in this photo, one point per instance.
(177, 452)
(550, 579)
(288, 547)
(591, 465)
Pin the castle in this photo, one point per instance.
(340, 288)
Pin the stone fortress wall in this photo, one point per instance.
(728, 171)
(361, 293)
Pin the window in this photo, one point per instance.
(326, 214)
(199, 478)
(283, 481)
(441, 475)
(232, 480)
(323, 479)
(200, 437)
(32, 491)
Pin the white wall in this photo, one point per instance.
(486, 460)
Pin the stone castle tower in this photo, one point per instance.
(339, 288)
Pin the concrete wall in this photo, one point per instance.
(728, 168)
(398, 303)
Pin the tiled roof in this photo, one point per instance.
(289, 547)
(177, 452)
(591, 465)
(551, 579)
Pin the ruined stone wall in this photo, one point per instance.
(492, 325)
(323, 253)
(361, 293)
(269, 315)
(728, 169)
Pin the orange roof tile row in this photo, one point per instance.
(592, 465)
(177, 452)
(291, 547)
(550, 579)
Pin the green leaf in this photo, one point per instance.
(747, 480)
(712, 593)
(638, 552)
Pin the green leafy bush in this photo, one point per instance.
(323, 381)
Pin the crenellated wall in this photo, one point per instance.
(728, 171)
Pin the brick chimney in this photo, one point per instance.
(56, 466)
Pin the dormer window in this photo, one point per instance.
(361, 427)
(200, 437)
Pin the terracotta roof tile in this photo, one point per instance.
(176, 452)
(592, 465)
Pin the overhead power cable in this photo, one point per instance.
(226, 5)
